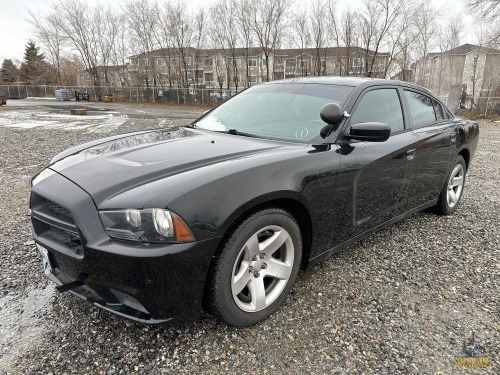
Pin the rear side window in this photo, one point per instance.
(421, 109)
(380, 105)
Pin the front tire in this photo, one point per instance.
(453, 188)
(256, 268)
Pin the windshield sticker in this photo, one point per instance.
(301, 133)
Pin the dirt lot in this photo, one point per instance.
(402, 301)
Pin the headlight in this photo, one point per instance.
(149, 225)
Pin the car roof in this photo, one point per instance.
(357, 82)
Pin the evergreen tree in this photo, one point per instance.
(9, 72)
(34, 69)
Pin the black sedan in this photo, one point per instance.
(222, 214)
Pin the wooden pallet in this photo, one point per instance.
(79, 111)
(109, 98)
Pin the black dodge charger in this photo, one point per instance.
(222, 213)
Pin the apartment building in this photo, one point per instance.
(473, 68)
(238, 68)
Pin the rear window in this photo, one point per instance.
(421, 109)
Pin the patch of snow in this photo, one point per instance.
(91, 123)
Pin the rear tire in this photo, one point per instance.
(453, 188)
(256, 268)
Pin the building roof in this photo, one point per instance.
(465, 49)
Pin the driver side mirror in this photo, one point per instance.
(370, 132)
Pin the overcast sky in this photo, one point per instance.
(15, 30)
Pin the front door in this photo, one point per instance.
(383, 170)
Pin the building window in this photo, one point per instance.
(160, 61)
(357, 62)
(144, 61)
(321, 63)
(252, 63)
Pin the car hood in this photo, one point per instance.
(110, 168)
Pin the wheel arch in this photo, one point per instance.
(465, 153)
(291, 202)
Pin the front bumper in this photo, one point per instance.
(150, 283)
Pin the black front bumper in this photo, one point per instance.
(150, 283)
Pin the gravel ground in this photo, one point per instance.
(401, 301)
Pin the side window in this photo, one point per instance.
(421, 109)
(439, 111)
(380, 105)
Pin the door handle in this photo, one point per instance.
(410, 154)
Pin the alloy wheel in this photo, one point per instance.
(262, 268)
(455, 185)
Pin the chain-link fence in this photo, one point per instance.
(176, 95)
(484, 105)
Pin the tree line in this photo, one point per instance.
(97, 36)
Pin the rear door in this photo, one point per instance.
(436, 134)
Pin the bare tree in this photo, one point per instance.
(225, 36)
(378, 17)
(200, 21)
(301, 34)
(47, 29)
(142, 23)
(164, 40)
(269, 24)
(343, 32)
(107, 24)
(488, 11)
(244, 15)
(426, 25)
(180, 22)
(318, 34)
(121, 49)
(78, 28)
(477, 74)
(450, 38)
(400, 39)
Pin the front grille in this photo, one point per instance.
(57, 209)
(54, 223)
(52, 210)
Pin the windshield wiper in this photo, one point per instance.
(237, 132)
(232, 132)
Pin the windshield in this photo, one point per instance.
(285, 111)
